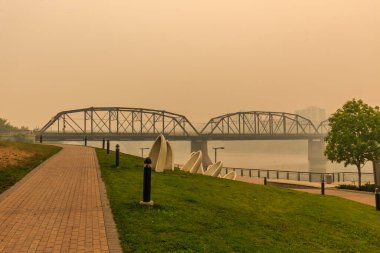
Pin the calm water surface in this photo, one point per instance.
(276, 155)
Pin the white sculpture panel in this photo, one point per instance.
(214, 169)
(194, 164)
(161, 155)
(232, 175)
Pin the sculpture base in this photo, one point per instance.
(150, 203)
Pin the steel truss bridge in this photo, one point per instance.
(138, 124)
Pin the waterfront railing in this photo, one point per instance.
(329, 177)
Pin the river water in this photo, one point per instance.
(274, 155)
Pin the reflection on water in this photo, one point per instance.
(275, 155)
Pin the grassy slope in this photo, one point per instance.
(195, 213)
(10, 175)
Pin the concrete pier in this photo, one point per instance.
(376, 172)
(201, 145)
(316, 149)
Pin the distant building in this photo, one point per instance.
(315, 114)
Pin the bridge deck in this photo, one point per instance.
(152, 137)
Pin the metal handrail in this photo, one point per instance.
(345, 176)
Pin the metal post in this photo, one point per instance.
(250, 173)
(323, 187)
(241, 172)
(117, 154)
(258, 173)
(108, 147)
(85, 140)
(147, 183)
(377, 196)
(40, 138)
(278, 175)
(309, 177)
(267, 173)
(215, 150)
(142, 151)
(265, 181)
(298, 176)
(287, 175)
(103, 143)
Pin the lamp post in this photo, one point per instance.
(142, 151)
(215, 149)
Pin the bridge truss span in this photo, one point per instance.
(324, 127)
(106, 121)
(258, 123)
(122, 123)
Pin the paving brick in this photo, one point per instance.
(61, 206)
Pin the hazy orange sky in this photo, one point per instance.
(200, 58)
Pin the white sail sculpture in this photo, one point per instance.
(232, 175)
(214, 169)
(161, 155)
(194, 164)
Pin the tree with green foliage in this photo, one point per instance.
(355, 135)
(5, 126)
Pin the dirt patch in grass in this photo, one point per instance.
(13, 156)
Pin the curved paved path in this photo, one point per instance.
(60, 206)
(361, 197)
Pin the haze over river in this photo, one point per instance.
(275, 155)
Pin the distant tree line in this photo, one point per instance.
(18, 134)
(5, 126)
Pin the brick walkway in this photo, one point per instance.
(59, 207)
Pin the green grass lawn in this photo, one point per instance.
(9, 175)
(195, 213)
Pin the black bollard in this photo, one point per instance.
(265, 181)
(117, 154)
(108, 147)
(147, 183)
(85, 140)
(40, 138)
(103, 143)
(377, 196)
(323, 187)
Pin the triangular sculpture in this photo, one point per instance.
(214, 169)
(232, 175)
(161, 155)
(194, 164)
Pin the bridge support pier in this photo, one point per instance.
(376, 172)
(201, 145)
(316, 149)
